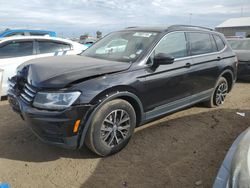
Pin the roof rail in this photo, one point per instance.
(193, 26)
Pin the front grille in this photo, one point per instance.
(28, 93)
(18, 87)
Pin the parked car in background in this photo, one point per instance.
(99, 98)
(235, 169)
(242, 49)
(26, 32)
(16, 50)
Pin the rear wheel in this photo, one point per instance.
(111, 127)
(219, 94)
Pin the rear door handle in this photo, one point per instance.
(188, 65)
(218, 58)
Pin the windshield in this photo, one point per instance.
(124, 46)
(240, 44)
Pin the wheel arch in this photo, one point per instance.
(229, 76)
(125, 95)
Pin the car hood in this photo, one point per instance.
(60, 71)
(243, 55)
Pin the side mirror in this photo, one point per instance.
(163, 59)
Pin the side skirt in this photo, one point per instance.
(177, 105)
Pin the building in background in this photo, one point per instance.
(235, 27)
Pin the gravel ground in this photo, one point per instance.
(184, 149)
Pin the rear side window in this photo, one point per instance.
(200, 43)
(51, 47)
(174, 44)
(219, 42)
(16, 49)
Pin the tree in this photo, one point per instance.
(98, 34)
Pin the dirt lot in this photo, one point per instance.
(175, 151)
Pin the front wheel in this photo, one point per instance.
(111, 127)
(219, 94)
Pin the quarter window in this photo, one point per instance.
(16, 49)
(174, 44)
(219, 42)
(200, 43)
(51, 47)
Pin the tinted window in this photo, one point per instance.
(213, 44)
(51, 47)
(16, 49)
(174, 44)
(219, 42)
(200, 43)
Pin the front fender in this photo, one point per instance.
(101, 102)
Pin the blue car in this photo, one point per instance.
(26, 32)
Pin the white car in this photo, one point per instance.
(16, 50)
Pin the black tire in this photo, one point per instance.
(212, 102)
(100, 127)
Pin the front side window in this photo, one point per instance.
(16, 49)
(51, 47)
(124, 46)
(200, 43)
(174, 44)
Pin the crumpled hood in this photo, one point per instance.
(58, 72)
(243, 55)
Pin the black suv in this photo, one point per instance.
(124, 80)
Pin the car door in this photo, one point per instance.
(169, 86)
(47, 48)
(12, 54)
(205, 69)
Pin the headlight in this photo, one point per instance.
(55, 101)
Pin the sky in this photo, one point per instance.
(71, 18)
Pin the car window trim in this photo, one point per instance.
(145, 60)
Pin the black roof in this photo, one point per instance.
(169, 28)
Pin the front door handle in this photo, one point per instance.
(188, 65)
(218, 58)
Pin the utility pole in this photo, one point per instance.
(242, 7)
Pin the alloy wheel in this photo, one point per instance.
(221, 93)
(115, 128)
